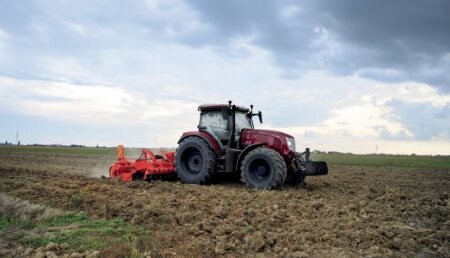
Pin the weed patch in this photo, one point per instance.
(75, 202)
(76, 229)
(17, 210)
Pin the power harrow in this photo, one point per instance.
(147, 167)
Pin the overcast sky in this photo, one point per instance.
(348, 75)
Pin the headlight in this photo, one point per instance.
(291, 143)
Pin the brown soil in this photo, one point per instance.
(354, 211)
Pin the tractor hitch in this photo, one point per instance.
(316, 168)
(311, 168)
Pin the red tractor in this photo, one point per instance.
(227, 142)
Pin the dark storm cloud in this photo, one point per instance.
(385, 40)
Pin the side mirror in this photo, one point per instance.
(260, 116)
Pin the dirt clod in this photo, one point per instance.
(93, 254)
(256, 241)
(220, 249)
(51, 255)
(76, 255)
(40, 254)
(51, 246)
(64, 246)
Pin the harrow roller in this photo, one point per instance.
(147, 167)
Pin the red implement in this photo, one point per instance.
(147, 167)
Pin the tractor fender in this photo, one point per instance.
(212, 143)
(244, 153)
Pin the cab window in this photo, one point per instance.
(215, 123)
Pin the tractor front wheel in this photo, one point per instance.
(263, 168)
(195, 162)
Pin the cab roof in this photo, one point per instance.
(215, 107)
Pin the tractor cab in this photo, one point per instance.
(217, 120)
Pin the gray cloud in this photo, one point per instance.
(424, 121)
(384, 40)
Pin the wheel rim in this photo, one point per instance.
(259, 169)
(192, 160)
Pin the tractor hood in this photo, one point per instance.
(273, 139)
(268, 132)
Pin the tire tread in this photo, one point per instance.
(278, 166)
(209, 175)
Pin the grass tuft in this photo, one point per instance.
(22, 210)
(32, 229)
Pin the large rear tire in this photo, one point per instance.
(195, 162)
(263, 168)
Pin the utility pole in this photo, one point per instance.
(17, 138)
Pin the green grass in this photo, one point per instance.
(385, 160)
(12, 222)
(75, 201)
(342, 159)
(87, 234)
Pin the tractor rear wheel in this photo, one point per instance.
(195, 162)
(263, 168)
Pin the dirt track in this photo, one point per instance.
(355, 211)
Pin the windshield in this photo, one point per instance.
(242, 122)
(215, 123)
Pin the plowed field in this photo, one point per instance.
(371, 211)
